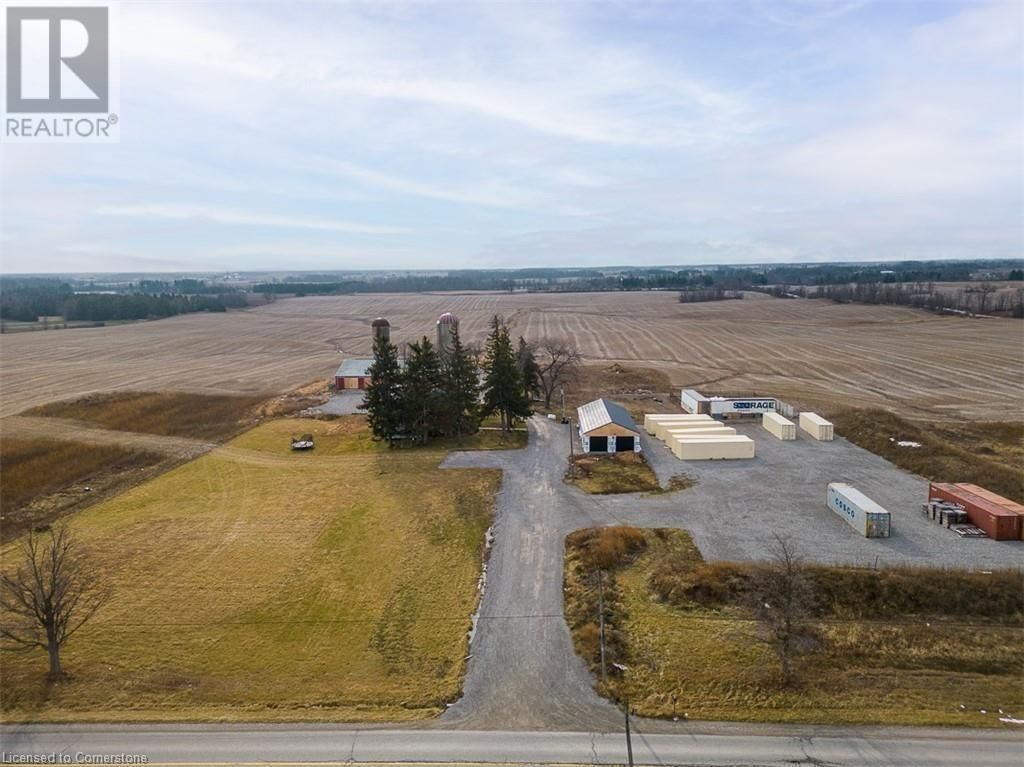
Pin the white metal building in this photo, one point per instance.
(606, 427)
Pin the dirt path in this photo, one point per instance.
(80, 431)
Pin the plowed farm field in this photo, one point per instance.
(813, 353)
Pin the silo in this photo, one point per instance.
(447, 326)
(381, 329)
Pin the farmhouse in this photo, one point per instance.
(353, 373)
(606, 427)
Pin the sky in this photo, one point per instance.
(432, 135)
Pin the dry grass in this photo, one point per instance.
(699, 661)
(171, 414)
(614, 473)
(986, 454)
(45, 478)
(259, 584)
(812, 352)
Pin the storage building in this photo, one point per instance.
(860, 512)
(693, 401)
(712, 447)
(817, 427)
(738, 406)
(998, 522)
(606, 427)
(781, 427)
(353, 373)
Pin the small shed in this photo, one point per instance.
(606, 427)
(353, 373)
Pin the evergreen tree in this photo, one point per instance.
(529, 369)
(461, 401)
(503, 382)
(383, 401)
(423, 393)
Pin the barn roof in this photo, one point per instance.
(602, 412)
(353, 367)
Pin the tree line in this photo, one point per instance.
(984, 298)
(447, 393)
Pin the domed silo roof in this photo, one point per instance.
(380, 322)
(447, 319)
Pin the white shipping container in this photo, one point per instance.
(651, 420)
(817, 427)
(860, 512)
(710, 431)
(742, 405)
(713, 448)
(781, 427)
(693, 401)
(662, 427)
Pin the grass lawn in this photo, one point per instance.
(615, 473)
(700, 661)
(259, 584)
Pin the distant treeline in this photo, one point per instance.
(28, 299)
(699, 295)
(984, 298)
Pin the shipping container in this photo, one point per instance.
(817, 427)
(707, 431)
(710, 448)
(726, 406)
(999, 523)
(662, 426)
(1006, 503)
(860, 512)
(651, 420)
(780, 427)
(694, 402)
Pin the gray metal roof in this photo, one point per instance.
(354, 366)
(602, 412)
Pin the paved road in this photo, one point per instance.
(524, 673)
(294, 745)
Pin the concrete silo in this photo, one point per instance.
(447, 327)
(381, 329)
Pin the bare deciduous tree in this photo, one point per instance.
(50, 596)
(783, 599)
(557, 362)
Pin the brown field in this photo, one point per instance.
(810, 352)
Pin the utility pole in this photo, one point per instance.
(572, 457)
(600, 608)
(563, 404)
(629, 739)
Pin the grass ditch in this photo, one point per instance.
(612, 473)
(986, 454)
(211, 417)
(258, 584)
(898, 647)
(44, 478)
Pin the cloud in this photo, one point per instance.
(241, 218)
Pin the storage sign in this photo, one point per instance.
(751, 406)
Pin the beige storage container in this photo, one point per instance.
(651, 420)
(781, 427)
(816, 426)
(663, 426)
(701, 431)
(696, 448)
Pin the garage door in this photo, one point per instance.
(598, 444)
(624, 444)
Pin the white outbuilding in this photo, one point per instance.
(606, 427)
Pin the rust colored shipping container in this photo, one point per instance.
(998, 523)
(1006, 503)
